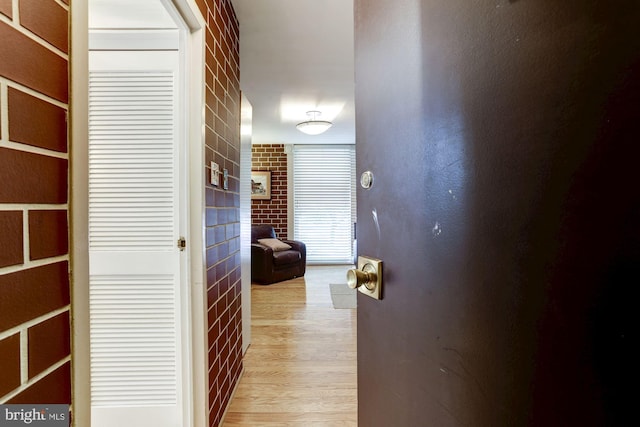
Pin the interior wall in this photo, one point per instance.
(34, 225)
(222, 227)
(271, 157)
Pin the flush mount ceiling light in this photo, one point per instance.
(313, 126)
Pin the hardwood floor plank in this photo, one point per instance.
(300, 369)
(269, 419)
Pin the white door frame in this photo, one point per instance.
(246, 130)
(195, 294)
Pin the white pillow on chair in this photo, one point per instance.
(274, 244)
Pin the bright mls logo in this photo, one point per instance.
(34, 415)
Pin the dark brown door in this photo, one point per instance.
(503, 137)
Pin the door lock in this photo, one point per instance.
(367, 278)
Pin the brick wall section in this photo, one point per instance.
(6, 8)
(34, 227)
(265, 157)
(222, 139)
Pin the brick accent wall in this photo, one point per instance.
(222, 76)
(266, 157)
(34, 226)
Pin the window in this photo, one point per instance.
(324, 201)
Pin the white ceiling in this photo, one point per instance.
(297, 56)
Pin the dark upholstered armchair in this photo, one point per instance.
(273, 262)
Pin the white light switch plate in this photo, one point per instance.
(215, 174)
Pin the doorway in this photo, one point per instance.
(145, 318)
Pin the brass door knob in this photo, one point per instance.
(357, 278)
(367, 278)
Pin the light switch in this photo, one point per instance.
(215, 174)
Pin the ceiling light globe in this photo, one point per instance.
(314, 127)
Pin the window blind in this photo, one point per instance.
(324, 201)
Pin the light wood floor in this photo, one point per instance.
(300, 369)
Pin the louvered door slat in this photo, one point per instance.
(107, 161)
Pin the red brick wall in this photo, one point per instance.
(271, 158)
(34, 229)
(222, 76)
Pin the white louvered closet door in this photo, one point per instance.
(133, 229)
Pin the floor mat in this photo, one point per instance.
(342, 296)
